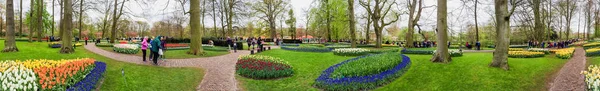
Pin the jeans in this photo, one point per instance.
(144, 55)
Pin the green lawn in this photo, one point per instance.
(593, 60)
(470, 72)
(176, 54)
(307, 67)
(139, 77)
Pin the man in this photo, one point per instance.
(478, 44)
(86, 39)
(249, 42)
(231, 44)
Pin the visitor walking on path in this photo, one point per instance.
(86, 39)
(144, 47)
(155, 48)
(163, 42)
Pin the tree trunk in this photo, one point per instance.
(476, 24)
(230, 17)
(40, 24)
(21, 17)
(80, 18)
(67, 47)
(32, 21)
(196, 45)
(441, 54)
(328, 20)
(351, 23)
(272, 27)
(214, 19)
(369, 22)
(538, 26)
(411, 24)
(113, 34)
(52, 30)
(10, 44)
(502, 39)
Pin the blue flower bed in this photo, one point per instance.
(307, 49)
(55, 46)
(361, 82)
(89, 82)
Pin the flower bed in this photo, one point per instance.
(363, 73)
(104, 45)
(176, 45)
(518, 46)
(516, 49)
(564, 53)
(453, 53)
(592, 52)
(49, 75)
(307, 49)
(592, 78)
(350, 51)
(591, 45)
(545, 51)
(377, 51)
(525, 54)
(338, 46)
(262, 67)
(426, 52)
(126, 48)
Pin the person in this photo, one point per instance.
(259, 42)
(86, 39)
(478, 44)
(229, 43)
(249, 42)
(76, 39)
(163, 42)
(253, 43)
(150, 46)
(144, 47)
(155, 48)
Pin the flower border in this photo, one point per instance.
(89, 82)
(324, 81)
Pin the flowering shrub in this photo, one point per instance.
(592, 52)
(262, 67)
(525, 54)
(365, 72)
(307, 48)
(564, 53)
(545, 51)
(350, 51)
(516, 49)
(592, 78)
(45, 75)
(126, 48)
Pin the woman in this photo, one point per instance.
(155, 47)
(144, 47)
(163, 42)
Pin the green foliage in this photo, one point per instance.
(367, 65)
(337, 10)
(104, 45)
(47, 19)
(292, 23)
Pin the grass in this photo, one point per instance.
(307, 67)
(593, 60)
(470, 72)
(139, 77)
(176, 54)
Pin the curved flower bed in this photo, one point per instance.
(126, 48)
(307, 49)
(341, 77)
(104, 45)
(592, 78)
(89, 82)
(377, 51)
(338, 46)
(262, 67)
(516, 49)
(591, 45)
(564, 53)
(350, 51)
(592, 52)
(525, 54)
(47, 75)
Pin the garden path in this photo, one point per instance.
(219, 71)
(569, 77)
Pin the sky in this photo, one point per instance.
(459, 16)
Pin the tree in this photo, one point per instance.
(291, 23)
(39, 15)
(196, 40)
(352, 23)
(441, 54)
(538, 26)
(67, 27)
(378, 12)
(80, 17)
(21, 18)
(115, 19)
(567, 9)
(9, 43)
(502, 32)
(270, 9)
(413, 20)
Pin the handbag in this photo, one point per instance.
(160, 52)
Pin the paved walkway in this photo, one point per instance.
(219, 71)
(569, 77)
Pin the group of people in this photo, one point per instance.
(156, 46)
(255, 43)
(423, 44)
(470, 46)
(551, 44)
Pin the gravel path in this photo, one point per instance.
(569, 77)
(219, 71)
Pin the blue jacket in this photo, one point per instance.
(156, 44)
